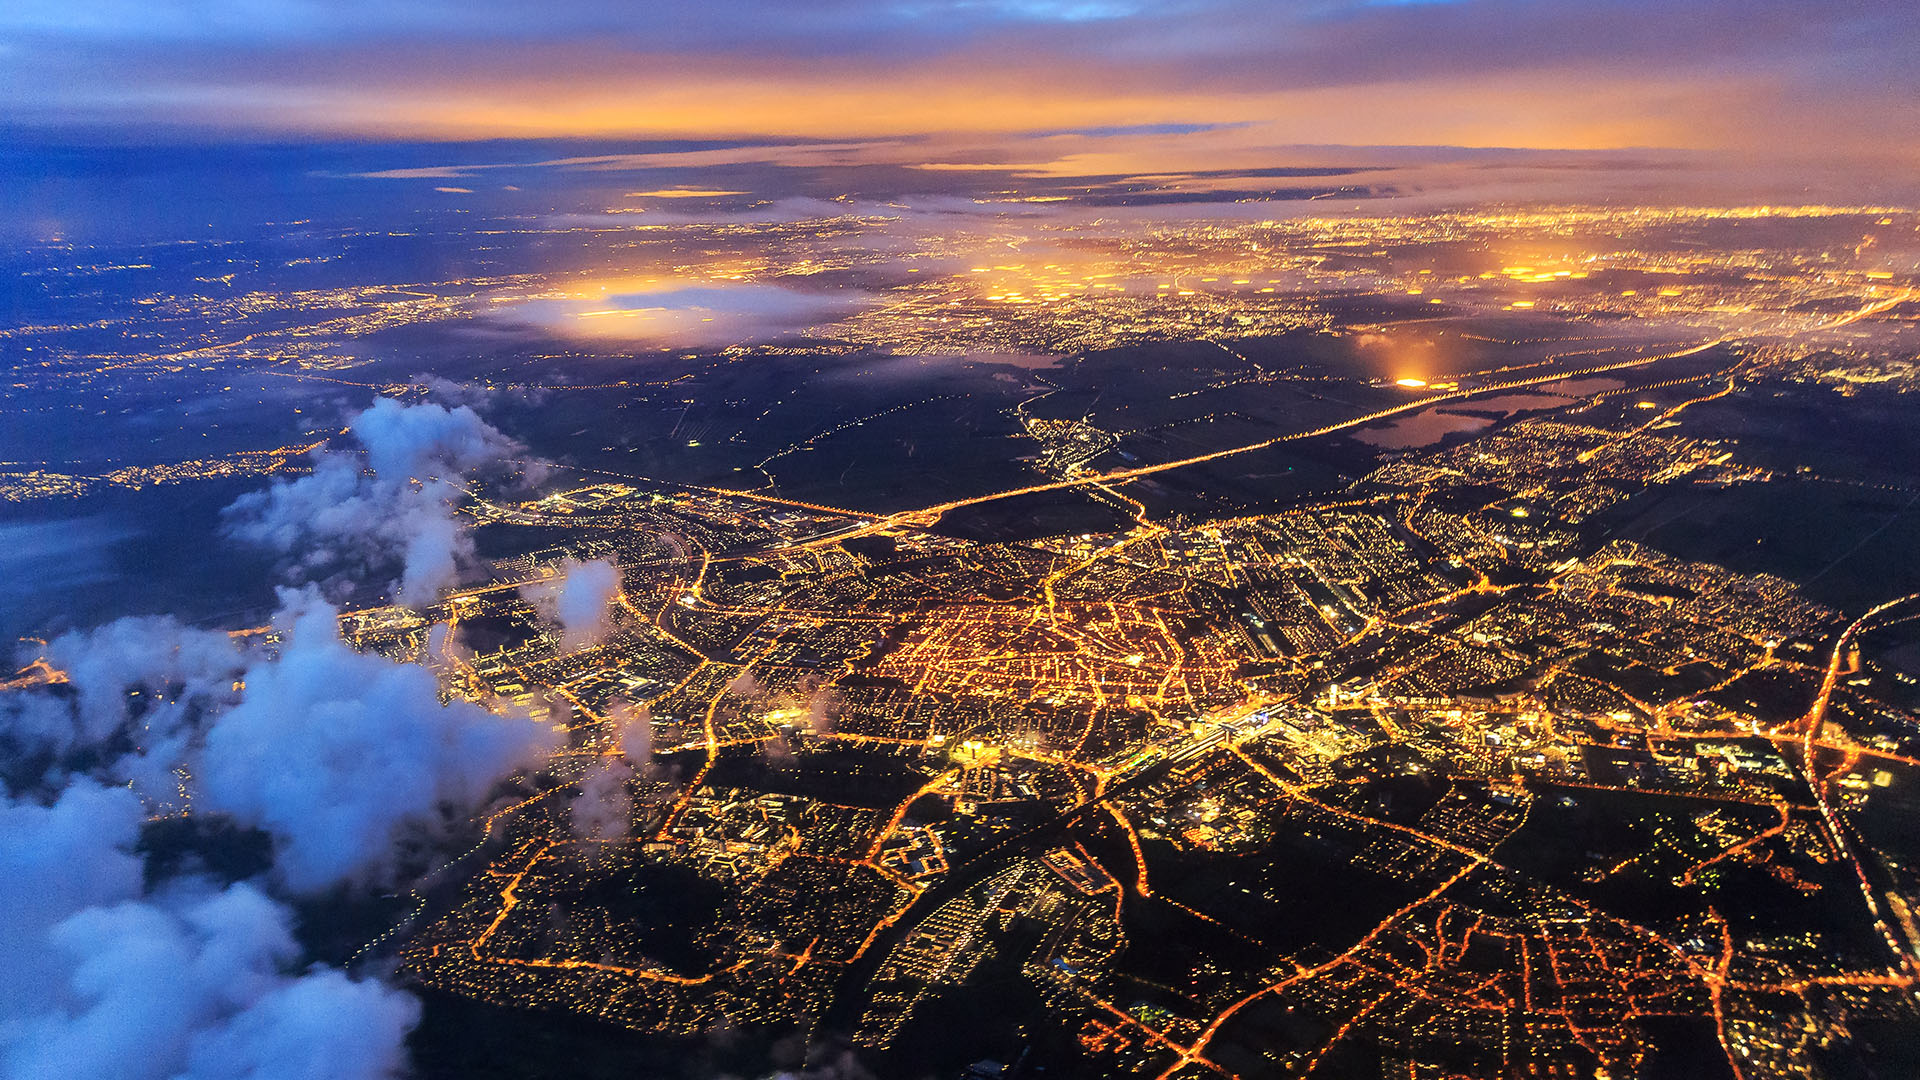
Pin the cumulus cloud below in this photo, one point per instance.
(604, 810)
(139, 689)
(337, 755)
(578, 599)
(336, 752)
(189, 983)
(54, 861)
(341, 758)
(405, 441)
(633, 731)
(345, 525)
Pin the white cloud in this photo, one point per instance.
(604, 810)
(324, 1026)
(140, 686)
(578, 599)
(336, 753)
(340, 526)
(633, 731)
(56, 860)
(191, 987)
(107, 983)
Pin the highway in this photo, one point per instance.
(926, 516)
(1811, 724)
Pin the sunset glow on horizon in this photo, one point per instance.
(1071, 87)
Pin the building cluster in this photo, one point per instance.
(840, 733)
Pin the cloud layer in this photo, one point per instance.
(342, 758)
(337, 753)
(690, 314)
(578, 599)
(338, 756)
(342, 524)
(138, 691)
(191, 983)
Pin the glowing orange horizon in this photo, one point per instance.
(946, 107)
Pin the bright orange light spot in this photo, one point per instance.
(683, 193)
